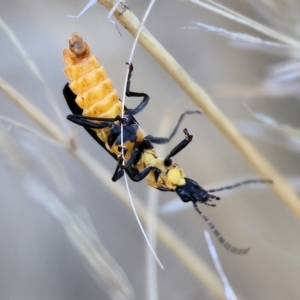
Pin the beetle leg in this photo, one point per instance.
(84, 121)
(132, 172)
(178, 148)
(129, 93)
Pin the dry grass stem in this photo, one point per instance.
(282, 128)
(34, 69)
(231, 14)
(229, 292)
(150, 247)
(9, 149)
(199, 96)
(33, 113)
(28, 129)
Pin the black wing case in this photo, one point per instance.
(76, 110)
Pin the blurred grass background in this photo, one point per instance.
(38, 262)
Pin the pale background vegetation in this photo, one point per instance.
(37, 260)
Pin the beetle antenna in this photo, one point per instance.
(238, 184)
(226, 245)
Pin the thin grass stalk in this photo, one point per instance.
(152, 205)
(151, 266)
(33, 113)
(130, 22)
(34, 69)
(233, 15)
(185, 255)
(229, 292)
(150, 247)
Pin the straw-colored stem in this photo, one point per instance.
(199, 96)
(187, 257)
(237, 17)
(33, 113)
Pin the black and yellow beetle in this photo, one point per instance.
(96, 106)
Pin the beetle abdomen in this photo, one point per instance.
(95, 92)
